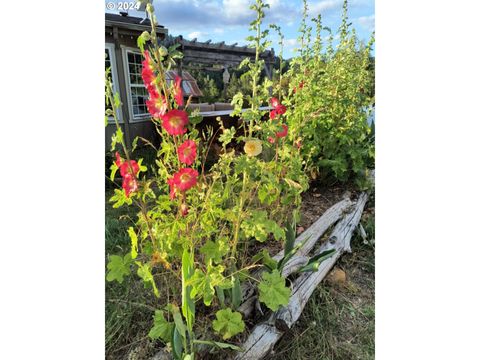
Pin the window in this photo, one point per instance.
(110, 62)
(137, 91)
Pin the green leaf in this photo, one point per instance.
(273, 291)
(218, 344)
(236, 293)
(227, 136)
(188, 305)
(290, 236)
(177, 344)
(116, 100)
(316, 260)
(113, 169)
(117, 138)
(228, 323)
(177, 319)
(162, 329)
(203, 284)
(259, 226)
(142, 39)
(147, 277)
(214, 250)
(118, 267)
(134, 240)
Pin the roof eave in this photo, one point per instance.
(136, 27)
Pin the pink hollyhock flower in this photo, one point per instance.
(187, 152)
(175, 121)
(282, 133)
(129, 184)
(271, 140)
(185, 178)
(177, 90)
(173, 191)
(184, 209)
(156, 105)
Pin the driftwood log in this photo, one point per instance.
(310, 237)
(264, 336)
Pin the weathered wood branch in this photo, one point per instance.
(264, 336)
(309, 237)
(306, 283)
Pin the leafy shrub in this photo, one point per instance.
(330, 98)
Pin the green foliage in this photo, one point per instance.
(118, 267)
(228, 323)
(331, 110)
(162, 329)
(315, 261)
(273, 291)
(259, 227)
(134, 240)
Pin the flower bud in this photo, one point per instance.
(184, 209)
(163, 51)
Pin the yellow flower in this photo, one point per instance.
(253, 147)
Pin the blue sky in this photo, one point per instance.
(228, 20)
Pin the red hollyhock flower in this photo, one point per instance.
(175, 121)
(129, 184)
(148, 74)
(300, 86)
(125, 168)
(273, 114)
(187, 152)
(157, 104)
(281, 109)
(185, 178)
(278, 108)
(184, 209)
(274, 102)
(271, 140)
(173, 191)
(118, 160)
(282, 133)
(177, 91)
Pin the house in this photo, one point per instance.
(125, 60)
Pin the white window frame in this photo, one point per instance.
(133, 118)
(114, 75)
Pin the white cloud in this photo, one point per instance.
(196, 34)
(319, 7)
(367, 22)
(237, 9)
(290, 42)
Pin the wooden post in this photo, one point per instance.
(122, 87)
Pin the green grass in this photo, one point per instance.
(128, 306)
(338, 322)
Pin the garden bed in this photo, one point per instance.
(129, 313)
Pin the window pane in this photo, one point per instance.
(137, 89)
